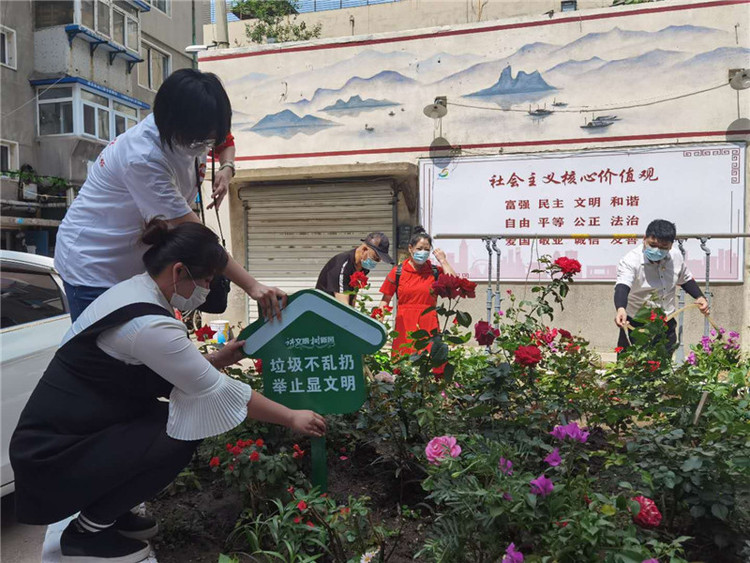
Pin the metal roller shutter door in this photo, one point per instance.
(292, 231)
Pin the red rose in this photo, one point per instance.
(528, 355)
(652, 318)
(564, 334)
(545, 336)
(568, 266)
(396, 371)
(466, 288)
(310, 524)
(485, 333)
(214, 462)
(258, 365)
(649, 515)
(259, 442)
(653, 365)
(447, 286)
(358, 280)
(302, 505)
(235, 451)
(297, 519)
(255, 456)
(376, 313)
(204, 333)
(619, 349)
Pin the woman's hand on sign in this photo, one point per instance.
(221, 187)
(229, 354)
(271, 300)
(308, 423)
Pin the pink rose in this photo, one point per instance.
(439, 447)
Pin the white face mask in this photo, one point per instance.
(196, 299)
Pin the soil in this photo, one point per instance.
(194, 524)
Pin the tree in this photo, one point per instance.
(275, 21)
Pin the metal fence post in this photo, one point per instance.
(498, 298)
(707, 292)
(680, 355)
(488, 245)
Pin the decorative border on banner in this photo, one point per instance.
(735, 160)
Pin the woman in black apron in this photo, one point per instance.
(95, 438)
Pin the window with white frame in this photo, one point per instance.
(82, 111)
(8, 156)
(56, 111)
(125, 117)
(7, 47)
(125, 25)
(116, 20)
(156, 67)
(88, 17)
(95, 115)
(103, 9)
(162, 5)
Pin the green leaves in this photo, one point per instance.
(720, 511)
(692, 463)
(463, 318)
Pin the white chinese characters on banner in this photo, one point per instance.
(309, 383)
(701, 189)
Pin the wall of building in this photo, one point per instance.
(16, 112)
(336, 102)
(171, 34)
(409, 14)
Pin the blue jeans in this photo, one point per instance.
(80, 297)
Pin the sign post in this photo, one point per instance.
(312, 359)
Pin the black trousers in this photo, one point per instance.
(102, 475)
(159, 466)
(622, 341)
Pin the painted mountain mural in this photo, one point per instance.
(356, 102)
(287, 124)
(523, 83)
(373, 96)
(385, 81)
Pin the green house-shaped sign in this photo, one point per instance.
(312, 358)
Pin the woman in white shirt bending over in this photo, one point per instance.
(95, 438)
(153, 169)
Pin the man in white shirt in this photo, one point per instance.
(649, 275)
(153, 169)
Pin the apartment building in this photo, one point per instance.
(74, 74)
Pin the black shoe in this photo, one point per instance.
(137, 527)
(100, 547)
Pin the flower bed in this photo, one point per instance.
(522, 449)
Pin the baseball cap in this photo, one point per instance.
(379, 243)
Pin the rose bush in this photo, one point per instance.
(527, 448)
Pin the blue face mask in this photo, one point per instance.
(655, 254)
(421, 256)
(369, 263)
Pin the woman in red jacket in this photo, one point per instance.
(411, 282)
